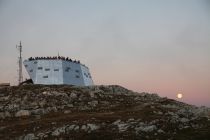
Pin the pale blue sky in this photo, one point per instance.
(160, 46)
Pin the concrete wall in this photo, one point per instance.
(86, 75)
(55, 72)
(72, 73)
(46, 74)
(31, 67)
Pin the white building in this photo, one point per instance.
(57, 71)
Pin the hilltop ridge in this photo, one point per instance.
(109, 112)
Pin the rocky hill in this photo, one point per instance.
(31, 112)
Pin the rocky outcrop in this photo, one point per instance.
(111, 112)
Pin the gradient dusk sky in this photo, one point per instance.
(156, 46)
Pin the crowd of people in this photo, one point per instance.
(54, 58)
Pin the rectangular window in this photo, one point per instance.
(39, 68)
(86, 75)
(31, 70)
(35, 62)
(89, 75)
(56, 69)
(77, 76)
(45, 76)
(67, 69)
(47, 69)
(26, 66)
(77, 71)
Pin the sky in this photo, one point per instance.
(155, 46)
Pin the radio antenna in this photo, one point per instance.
(20, 73)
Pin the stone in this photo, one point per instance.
(7, 114)
(76, 128)
(55, 133)
(55, 93)
(42, 103)
(41, 135)
(2, 116)
(160, 131)
(2, 128)
(116, 122)
(39, 111)
(93, 103)
(84, 108)
(70, 105)
(73, 95)
(84, 127)
(25, 97)
(30, 137)
(22, 113)
(184, 120)
(92, 94)
(46, 93)
(4, 98)
(93, 127)
(160, 113)
(104, 102)
(145, 128)
(50, 109)
(122, 127)
(58, 131)
(67, 111)
(71, 127)
(170, 106)
(12, 107)
(109, 109)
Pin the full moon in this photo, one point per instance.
(179, 95)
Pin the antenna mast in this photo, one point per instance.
(20, 73)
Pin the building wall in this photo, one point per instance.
(86, 75)
(72, 73)
(46, 72)
(31, 67)
(55, 72)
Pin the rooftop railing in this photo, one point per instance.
(54, 58)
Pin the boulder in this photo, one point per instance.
(93, 103)
(22, 113)
(146, 128)
(30, 137)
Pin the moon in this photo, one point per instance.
(179, 95)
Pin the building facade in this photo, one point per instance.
(58, 71)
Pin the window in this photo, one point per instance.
(39, 68)
(77, 71)
(47, 69)
(35, 62)
(67, 69)
(31, 70)
(56, 69)
(46, 76)
(26, 66)
(86, 75)
(77, 76)
(89, 75)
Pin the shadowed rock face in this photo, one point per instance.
(107, 112)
